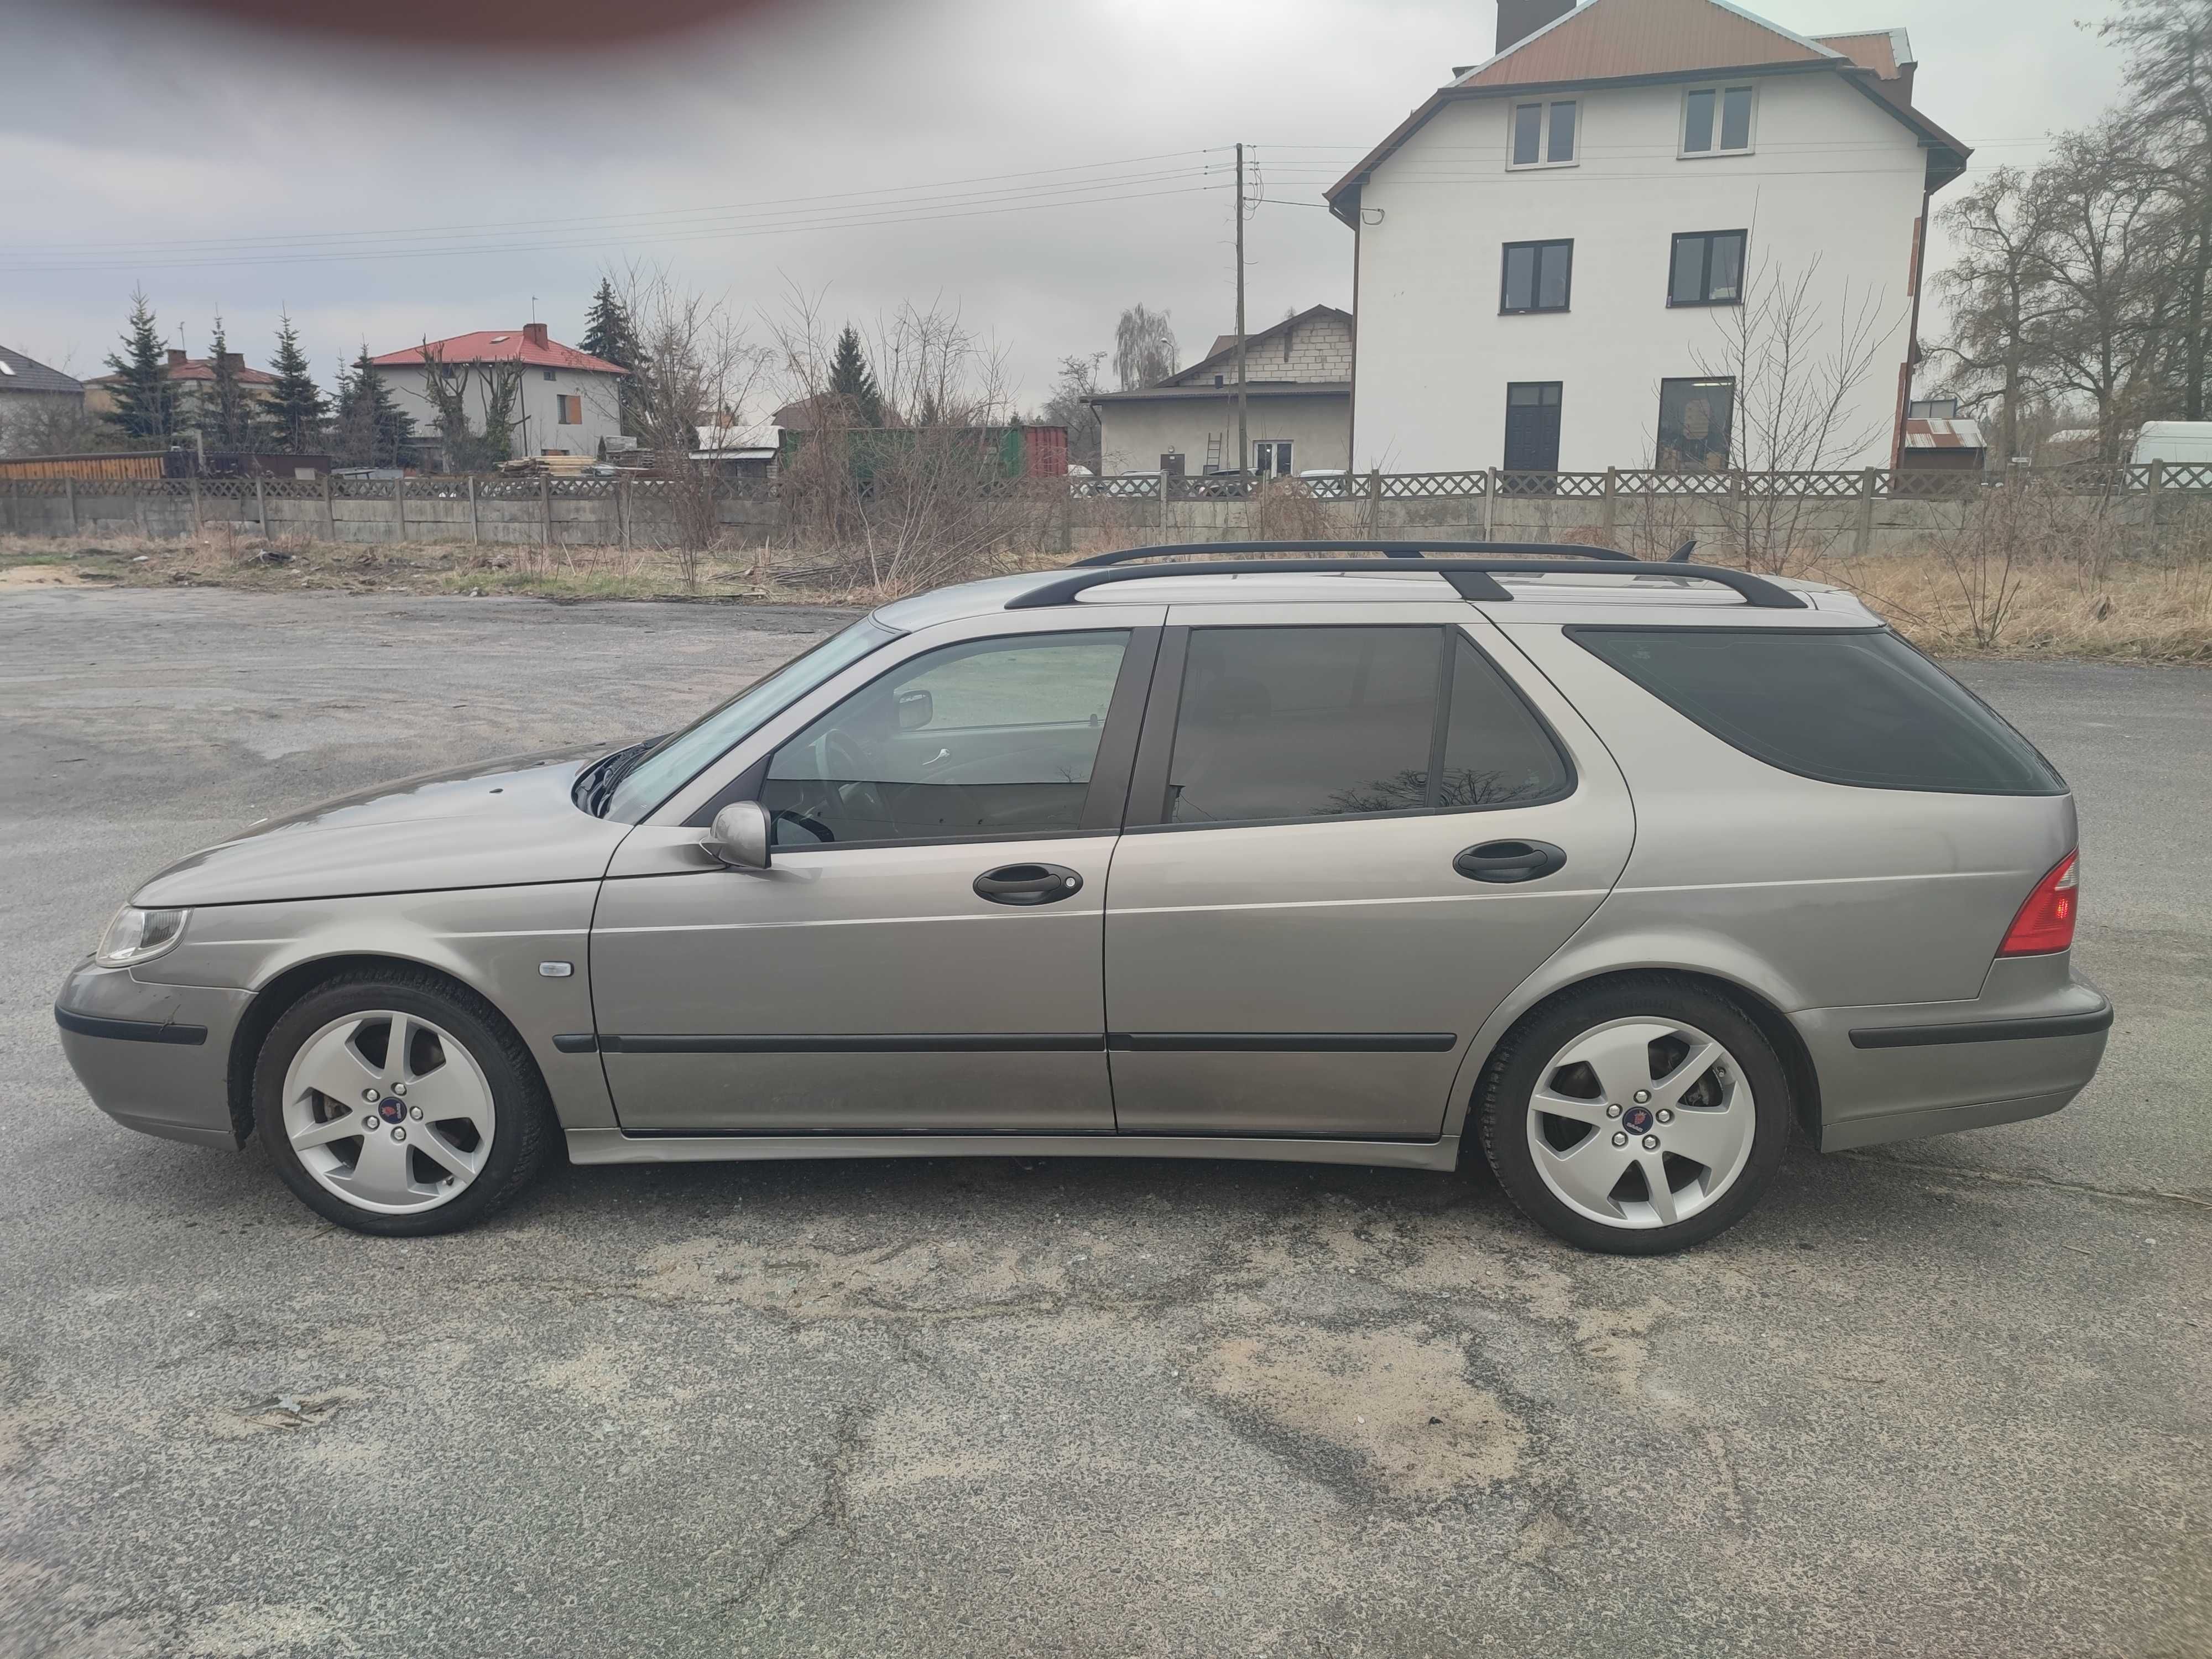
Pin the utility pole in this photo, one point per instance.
(1244, 409)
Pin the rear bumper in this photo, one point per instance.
(155, 1058)
(2026, 1047)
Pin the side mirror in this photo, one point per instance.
(915, 710)
(740, 836)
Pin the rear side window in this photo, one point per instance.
(1863, 707)
(1294, 723)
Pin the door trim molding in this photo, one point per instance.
(973, 1042)
(1283, 1042)
(613, 1146)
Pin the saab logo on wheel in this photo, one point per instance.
(391, 1110)
(1637, 1120)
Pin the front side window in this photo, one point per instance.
(1538, 276)
(989, 737)
(1707, 268)
(1716, 120)
(1862, 708)
(1696, 425)
(1544, 135)
(1288, 724)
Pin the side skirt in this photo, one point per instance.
(613, 1146)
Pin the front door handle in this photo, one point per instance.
(1028, 883)
(1510, 861)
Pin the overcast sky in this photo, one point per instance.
(199, 159)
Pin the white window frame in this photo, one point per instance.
(1720, 89)
(1544, 133)
(1279, 450)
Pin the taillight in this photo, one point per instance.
(2045, 922)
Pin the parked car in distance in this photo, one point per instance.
(1623, 874)
(2187, 443)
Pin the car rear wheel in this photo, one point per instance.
(1637, 1117)
(392, 1103)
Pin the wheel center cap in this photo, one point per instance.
(392, 1111)
(1637, 1120)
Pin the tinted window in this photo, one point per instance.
(1537, 276)
(1735, 119)
(989, 737)
(1496, 754)
(1527, 135)
(1697, 122)
(1862, 708)
(1563, 133)
(1327, 722)
(1708, 268)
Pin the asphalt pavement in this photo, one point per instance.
(1949, 1398)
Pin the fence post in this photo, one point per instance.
(399, 508)
(1163, 503)
(15, 507)
(139, 494)
(2157, 491)
(1066, 523)
(1610, 517)
(196, 523)
(261, 506)
(474, 534)
(69, 488)
(545, 507)
(1864, 540)
(623, 507)
(1490, 504)
(329, 511)
(1375, 501)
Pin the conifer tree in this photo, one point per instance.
(144, 411)
(372, 429)
(296, 405)
(227, 418)
(851, 379)
(609, 334)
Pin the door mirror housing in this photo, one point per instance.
(915, 710)
(740, 836)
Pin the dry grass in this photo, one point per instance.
(2104, 606)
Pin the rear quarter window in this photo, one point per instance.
(1860, 708)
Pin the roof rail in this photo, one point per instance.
(1473, 579)
(1388, 550)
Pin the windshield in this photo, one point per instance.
(677, 760)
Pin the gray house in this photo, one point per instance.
(29, 389)
(1298, 389)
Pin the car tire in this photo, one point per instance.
(484, 1136)
(1724, 1130)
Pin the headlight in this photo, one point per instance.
(138, 935)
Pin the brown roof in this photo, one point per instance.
(1882, 50)
(1608, 40)
(199, 369)
(1647, 40)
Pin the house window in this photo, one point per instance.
(1544, 135)
(572, 410)
(1716, 121)
(1270, 458)
(1697, 423)
(1707, 268)
(549, 374)
(1537, 276)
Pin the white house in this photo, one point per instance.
(1559, 254)
(570, 401)
(1298, 395)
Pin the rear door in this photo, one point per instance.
(1339, 859)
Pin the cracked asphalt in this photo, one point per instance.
(1947, 1398)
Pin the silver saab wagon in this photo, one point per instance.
(1623, 871)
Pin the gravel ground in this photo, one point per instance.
(1949, 1398)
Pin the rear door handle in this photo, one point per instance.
(1510, 861)
(1028, 883)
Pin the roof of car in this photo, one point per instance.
(1645, 593)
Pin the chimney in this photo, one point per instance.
(176, 358)
(234, 359)
(1519, 18)
(535, 333)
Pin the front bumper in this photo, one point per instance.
(2024, 1048)
(155, 1058)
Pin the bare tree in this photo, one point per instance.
(1077, 380)
(1144, 348)
(52, 426)
(1799, 359)
(2001, 301)
(695, 368)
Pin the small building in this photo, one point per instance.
(568, 404)
(1938, 439)
(29, 390)
(194, 380)
(1298, 394)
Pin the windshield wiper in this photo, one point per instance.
(607, 775)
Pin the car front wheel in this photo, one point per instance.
(393, 1103)
(1635, 1117)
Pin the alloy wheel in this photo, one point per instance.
(1641, 1122)
(389, 1111)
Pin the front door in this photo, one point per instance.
(1336, 866)
(1532, 426)
(924, 951)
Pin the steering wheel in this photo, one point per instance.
(842, 758)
